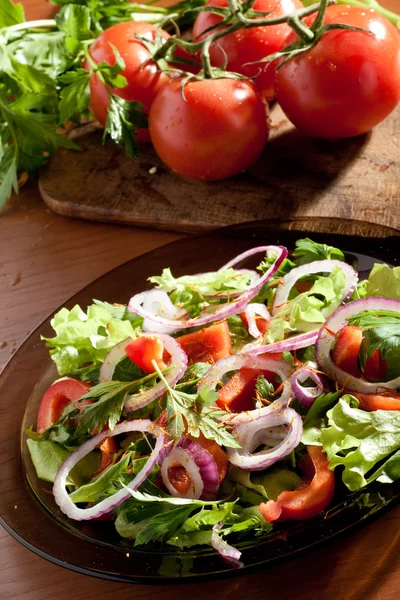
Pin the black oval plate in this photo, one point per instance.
(27, 507)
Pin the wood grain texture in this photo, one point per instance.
(55, 257)
(296, 175)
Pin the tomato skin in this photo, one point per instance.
(248, 45)
(308, 500)
(143, 350)
(348, 82)
(385, 401)
(347, 347)
(220, 130)
(346, 351)
(107, 448)
(144, 81)
(238, 394)
(56, 398)
(207, 345)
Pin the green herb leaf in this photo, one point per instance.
(75, 96)
(194, 413)
(381, 330)
(122, 119)
(307, 251)
(10, 13)
(8, 172)
(74, 20)
(163, 525)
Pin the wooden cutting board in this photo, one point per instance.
(296, 176)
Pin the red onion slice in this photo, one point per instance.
(157, 302)
(113, 357)
(256, 432)
(232, 363)
(296, 342)
(318, 266)
(178, 360)
(306, 395)
(327, 338)
(224, 310)
(228, 553)
(200, 466)
(272, 410)
(256, 250)
(252, 311)
(60, 493)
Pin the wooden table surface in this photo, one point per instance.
(44, 259)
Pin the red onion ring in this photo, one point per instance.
(178, 360)
(237, 361)
(229, 308)
(253, 433)
(60, 493)
(228, 553)
(158, 302)
(296, 342)
(306, 395)
(252, 310)
(200, 465)
(318, 266)
(327, 337)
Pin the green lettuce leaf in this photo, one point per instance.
(83, 338)
(384, 281)
(359, 441)
(303, 313)
(269, 484)
(47, 457)
(191, 291)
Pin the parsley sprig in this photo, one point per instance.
(195, 414)
(381, 331)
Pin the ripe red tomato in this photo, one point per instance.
(248, 45)
(218, 130)
(346, 351)
(143, 350)
(56, 398)
(207, 345)
(144, 81)
(348, 82)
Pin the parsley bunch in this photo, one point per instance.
(43, 84)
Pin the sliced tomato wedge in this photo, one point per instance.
(143, 350)
(107, 448)
(238, 394)
(207, 345)
(56, 398)
(385, 401)
(375, 368)
(311, 497)
(347, 347)
(346, 351)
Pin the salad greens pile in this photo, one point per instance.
(362, 446)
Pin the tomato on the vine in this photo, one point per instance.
(348, 82)
(216, 130)
(249, 45)
(144, 78)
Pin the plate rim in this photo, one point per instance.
(226, 573)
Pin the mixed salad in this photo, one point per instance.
(214, 406)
